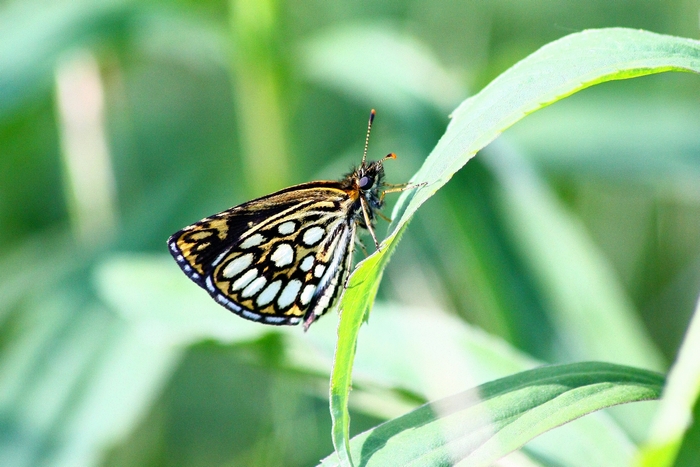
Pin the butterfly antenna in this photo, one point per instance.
(369, 128)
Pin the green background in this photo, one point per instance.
(209, 104)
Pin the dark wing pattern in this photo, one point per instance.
(277, 259)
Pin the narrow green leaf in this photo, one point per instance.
(352, 316)
(431, 353)
(481, 425)
(676, 409)
(555, 71)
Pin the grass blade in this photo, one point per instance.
(555, 71)
(676, 410)
(481, 425)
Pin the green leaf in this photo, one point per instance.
(430, 353)
(352, 316)
(555, 71)
(485, 423)
(676, 409)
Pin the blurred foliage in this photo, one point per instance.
(204, 105)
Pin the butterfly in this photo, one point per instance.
(284, 258)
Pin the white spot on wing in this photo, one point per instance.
(245, 279)
(237, 266)
(254, 287)
(313, 235)
(283, 255)
(269, 294)
(329, 283)
(253, 240)
(289, 294)
(287, 228)
(307, 294)
(307, 263)
(319, 269)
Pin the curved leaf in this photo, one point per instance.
(481, 425)
(555, 71)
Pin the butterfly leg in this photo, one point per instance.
(368, 223)
(381, 214)
(398, 188)
(359, 241)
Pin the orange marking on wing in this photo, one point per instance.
(200, 235)
(294, 311)
(220, 226)
(353, 193)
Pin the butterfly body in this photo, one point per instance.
(283, 258)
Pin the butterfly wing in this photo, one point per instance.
(277, 259)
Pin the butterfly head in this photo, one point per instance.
(368, 179)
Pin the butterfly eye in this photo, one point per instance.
(366, 182)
